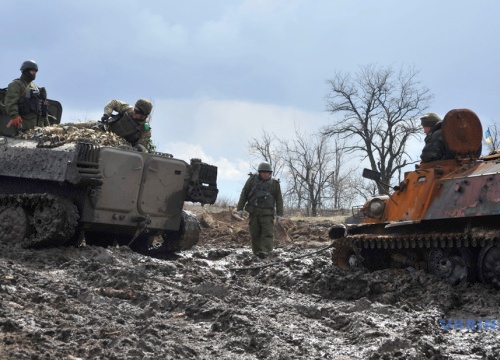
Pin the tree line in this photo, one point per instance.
(375, 112)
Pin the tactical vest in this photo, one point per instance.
(31, 101)
(261, 195)
(125, 126)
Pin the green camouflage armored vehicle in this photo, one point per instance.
(54, 192)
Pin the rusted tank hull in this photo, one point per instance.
(443, 218)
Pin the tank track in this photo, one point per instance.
(37, 220)
(471, 239)
(185, 238)
(454, 257)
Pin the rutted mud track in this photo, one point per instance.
(96, 303)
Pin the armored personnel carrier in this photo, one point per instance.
(54, 192)
(443, 218)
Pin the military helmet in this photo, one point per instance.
(430, 119)
(29, 65)
(264, 166)
(144, 105)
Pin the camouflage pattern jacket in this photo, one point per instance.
(136, 132)
(15, 91)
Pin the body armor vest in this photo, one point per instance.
(261, 194)
(31, 102)
(125, 126)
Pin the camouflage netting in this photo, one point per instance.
(71, 132)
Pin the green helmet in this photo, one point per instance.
(144, 105)
(264, 166)
(29, 65)
(430, 119)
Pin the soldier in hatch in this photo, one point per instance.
(130, 122)
(25, 103)
(260, 196)
(434, 148)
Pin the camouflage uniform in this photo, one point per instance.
(136, 132)
(21, 88)
(260, 198)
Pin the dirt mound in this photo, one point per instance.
(226, 226)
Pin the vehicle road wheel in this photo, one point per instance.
(13, 224)
(488, 265)
(454, 268)
(344, 256)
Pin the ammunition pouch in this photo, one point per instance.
(261, 195)
(126, 127)
(30, 103)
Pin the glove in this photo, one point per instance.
(240, 213)
(17, 122)
(99, 126)
(278, 219)
(105, 118)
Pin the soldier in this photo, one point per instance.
(434, 148)
(131, 123)
(260, 196)
(25, 103)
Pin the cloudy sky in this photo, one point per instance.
(219, 72)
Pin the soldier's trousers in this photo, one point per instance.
(262, 232)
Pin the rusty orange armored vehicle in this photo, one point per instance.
(443, 218)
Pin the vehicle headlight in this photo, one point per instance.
(376, 208)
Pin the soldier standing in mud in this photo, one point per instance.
(25, 103)
(130, 122)
(260, 196)
(434, 148)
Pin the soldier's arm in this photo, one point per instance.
(279, 198)
(144, 139)
(11, 97)
(116, 105)
(244, 195)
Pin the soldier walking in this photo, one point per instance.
(261, 197)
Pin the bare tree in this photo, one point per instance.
(266, 149)
(366, 189)
(380, 108)
(310, 163)
(343, 181)
(492, 139)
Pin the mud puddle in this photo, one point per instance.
(96, 303)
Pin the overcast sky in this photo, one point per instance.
(220, 71)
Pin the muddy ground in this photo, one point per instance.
(97, 303)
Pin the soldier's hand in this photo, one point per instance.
(17, 122)
(99, 126)
(240, 213)
(105, 118)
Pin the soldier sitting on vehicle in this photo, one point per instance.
(130, 122)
